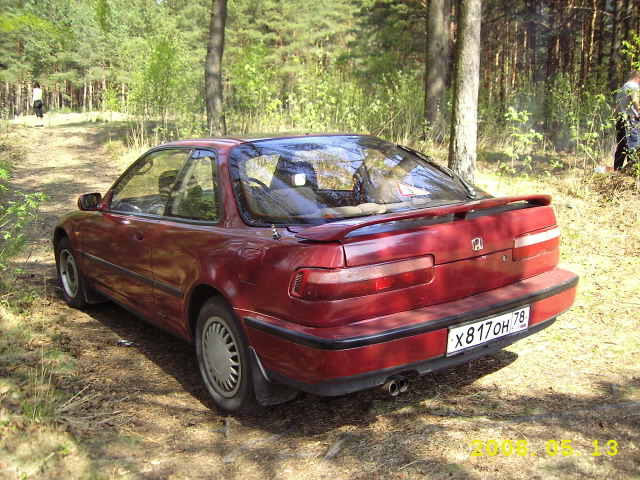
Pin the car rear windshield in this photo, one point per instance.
(314, 180)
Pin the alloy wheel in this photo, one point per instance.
(69, 273)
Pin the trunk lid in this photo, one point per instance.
(472, 244)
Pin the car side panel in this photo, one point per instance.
(116, 255)
(250, 268)
(185, 255)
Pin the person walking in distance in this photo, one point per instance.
(627, 111)
(37, 104)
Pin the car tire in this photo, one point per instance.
(223, 358)
(69, 275)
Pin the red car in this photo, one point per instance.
(322, 263)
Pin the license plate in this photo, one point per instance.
(485, 330)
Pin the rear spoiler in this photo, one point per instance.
(335, 231)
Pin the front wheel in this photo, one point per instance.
(223, 357)
(69, 275)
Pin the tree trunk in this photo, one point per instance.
(627, 21)
(84, 96)
(515, 55)
(437, 49)
(593, 25)
(464, 123)
(503, 74)
(568, 32)
(104, 94)
(553, 42)
(7, 101)
(213, 68)
(616, 36)
(19, 107)
(600, 33)
(533, 70)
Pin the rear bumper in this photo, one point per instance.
(347, 358)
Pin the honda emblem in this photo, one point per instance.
(477, 244)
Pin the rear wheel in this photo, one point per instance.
(69, 275)
(223, 357)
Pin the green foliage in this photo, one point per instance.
(39, 403)
(578, 117)
(631, 49)
(295, 66)
(282, 61)
(521, 141)
(289, 71)
(390, 38)
(632, 169)
(14, 217)
(590, 131)
(42, 29)
(253, 83)
(17, 209)
(159, 80)
(103, 13)
(111, 101)
(322, 102)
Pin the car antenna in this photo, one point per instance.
(276, 235)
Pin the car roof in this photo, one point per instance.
(229, 142)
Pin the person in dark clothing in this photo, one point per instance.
(627, 112)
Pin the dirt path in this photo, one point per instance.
(61, 162)
(142, 412)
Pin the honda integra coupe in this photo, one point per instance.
(319, 263)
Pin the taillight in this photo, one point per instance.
(534, 243)
(335, 284)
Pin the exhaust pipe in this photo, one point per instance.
(396, 385)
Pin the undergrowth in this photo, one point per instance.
(17, 210)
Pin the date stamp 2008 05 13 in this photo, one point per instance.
(521, 448)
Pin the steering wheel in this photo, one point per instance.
(266, 191)
(128, 207)
(144, 169)
(259, 182)
(157, 207)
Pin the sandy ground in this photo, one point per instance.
(562, 404)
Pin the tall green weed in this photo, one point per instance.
(17, 210)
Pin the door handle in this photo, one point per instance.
(139, 235)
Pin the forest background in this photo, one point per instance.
(548, 68)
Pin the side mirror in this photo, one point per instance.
(90, 201)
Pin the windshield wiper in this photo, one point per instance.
(471, 192)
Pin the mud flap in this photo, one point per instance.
(92, 297)
(268, 392)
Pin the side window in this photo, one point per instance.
(195, 194)
(146, 187)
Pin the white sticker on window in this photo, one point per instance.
(407, 190)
